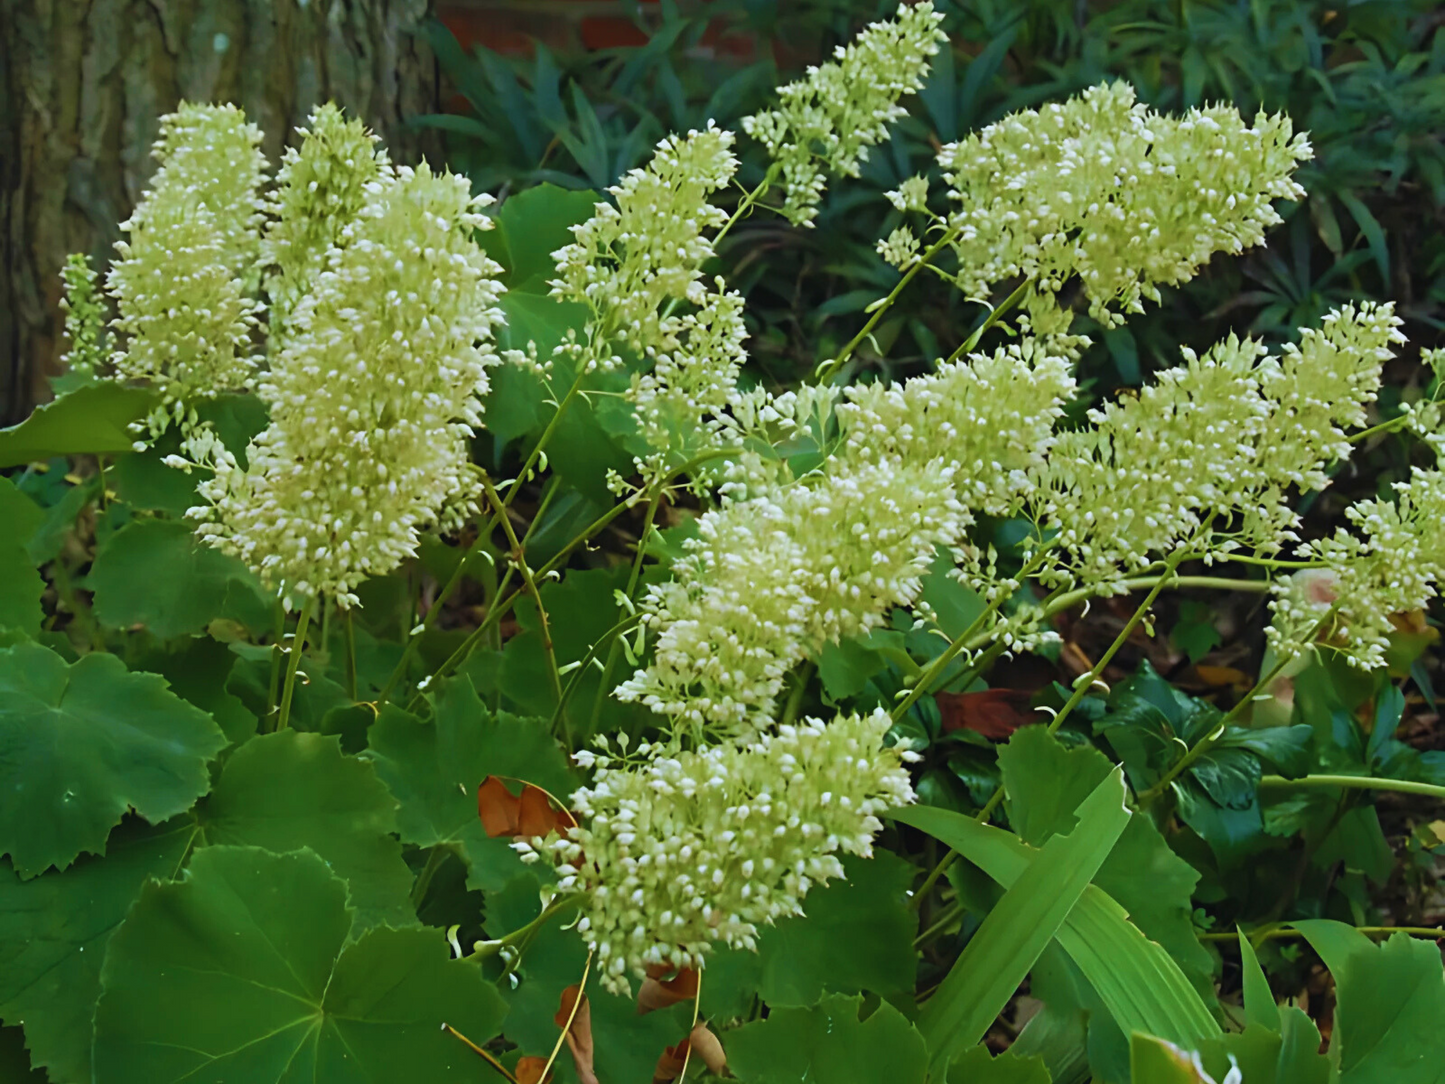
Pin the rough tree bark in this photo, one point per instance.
(82, 83)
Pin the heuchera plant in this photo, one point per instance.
(238, 785)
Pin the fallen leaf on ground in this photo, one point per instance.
(528, 815)
(658, 992)
(579, 1034)
(994, 713)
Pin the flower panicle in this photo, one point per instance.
(829, 119)
(1126, 199)
(372, 399)
(184, 303)
(320, 188)
(688, 849)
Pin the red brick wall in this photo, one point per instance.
(565, 26)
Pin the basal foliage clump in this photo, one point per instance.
(378, 324)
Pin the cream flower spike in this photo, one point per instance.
(830, 118)
(683, 850)
(372, 400)
(320, 187)
(1126, 199)
(183, 283)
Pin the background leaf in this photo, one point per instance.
(93, 419)
(265, 935)
(81, 744)
(286, 791)
(156, 573)
(854, 935)
(828, 1043)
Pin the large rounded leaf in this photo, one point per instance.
(81, 744)
(156, 573)
(289, 790)
(241, 974)
(91, 419)
(53, 933)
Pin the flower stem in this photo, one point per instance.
(829, 368)
(293, 663)
(1355, 782)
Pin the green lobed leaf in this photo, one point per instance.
(855, 935)
(82, 744)
(15, 1059)
(21, 520)
(1265, 1056)
(1036, 905)
(156, 573)
(197, 670)
(20, 588)
(265, 937)
(977, 1066)
(433, 769)
(53, 933)
(1390, 1004)
(93, 419)
(828, 1043)
(289, 790)
(529, 227)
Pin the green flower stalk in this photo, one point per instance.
(1126, 199)
(829, 119)
(373, 398)
(84, 317)
(183, 285)
(679, 850)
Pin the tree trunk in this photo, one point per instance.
(82, 83)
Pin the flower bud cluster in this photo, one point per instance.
(84, 317)
(831, 117)
(320, 188)
(990, 416)
(181, 283)
(1390, 567)
(690, 848)
(634, 263)
(631, 259)
(1126, 199)
(770, 580)
(372, 399)
(1221, 439)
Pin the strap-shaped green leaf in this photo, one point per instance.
(1015, 932)
(1140, 983)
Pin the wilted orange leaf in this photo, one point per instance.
(658, 992)
(529, 1070)
(579, 1033)
(707, 1046)
(670, 1064)
(994, 713)
(703, 1044)
(529, 814)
